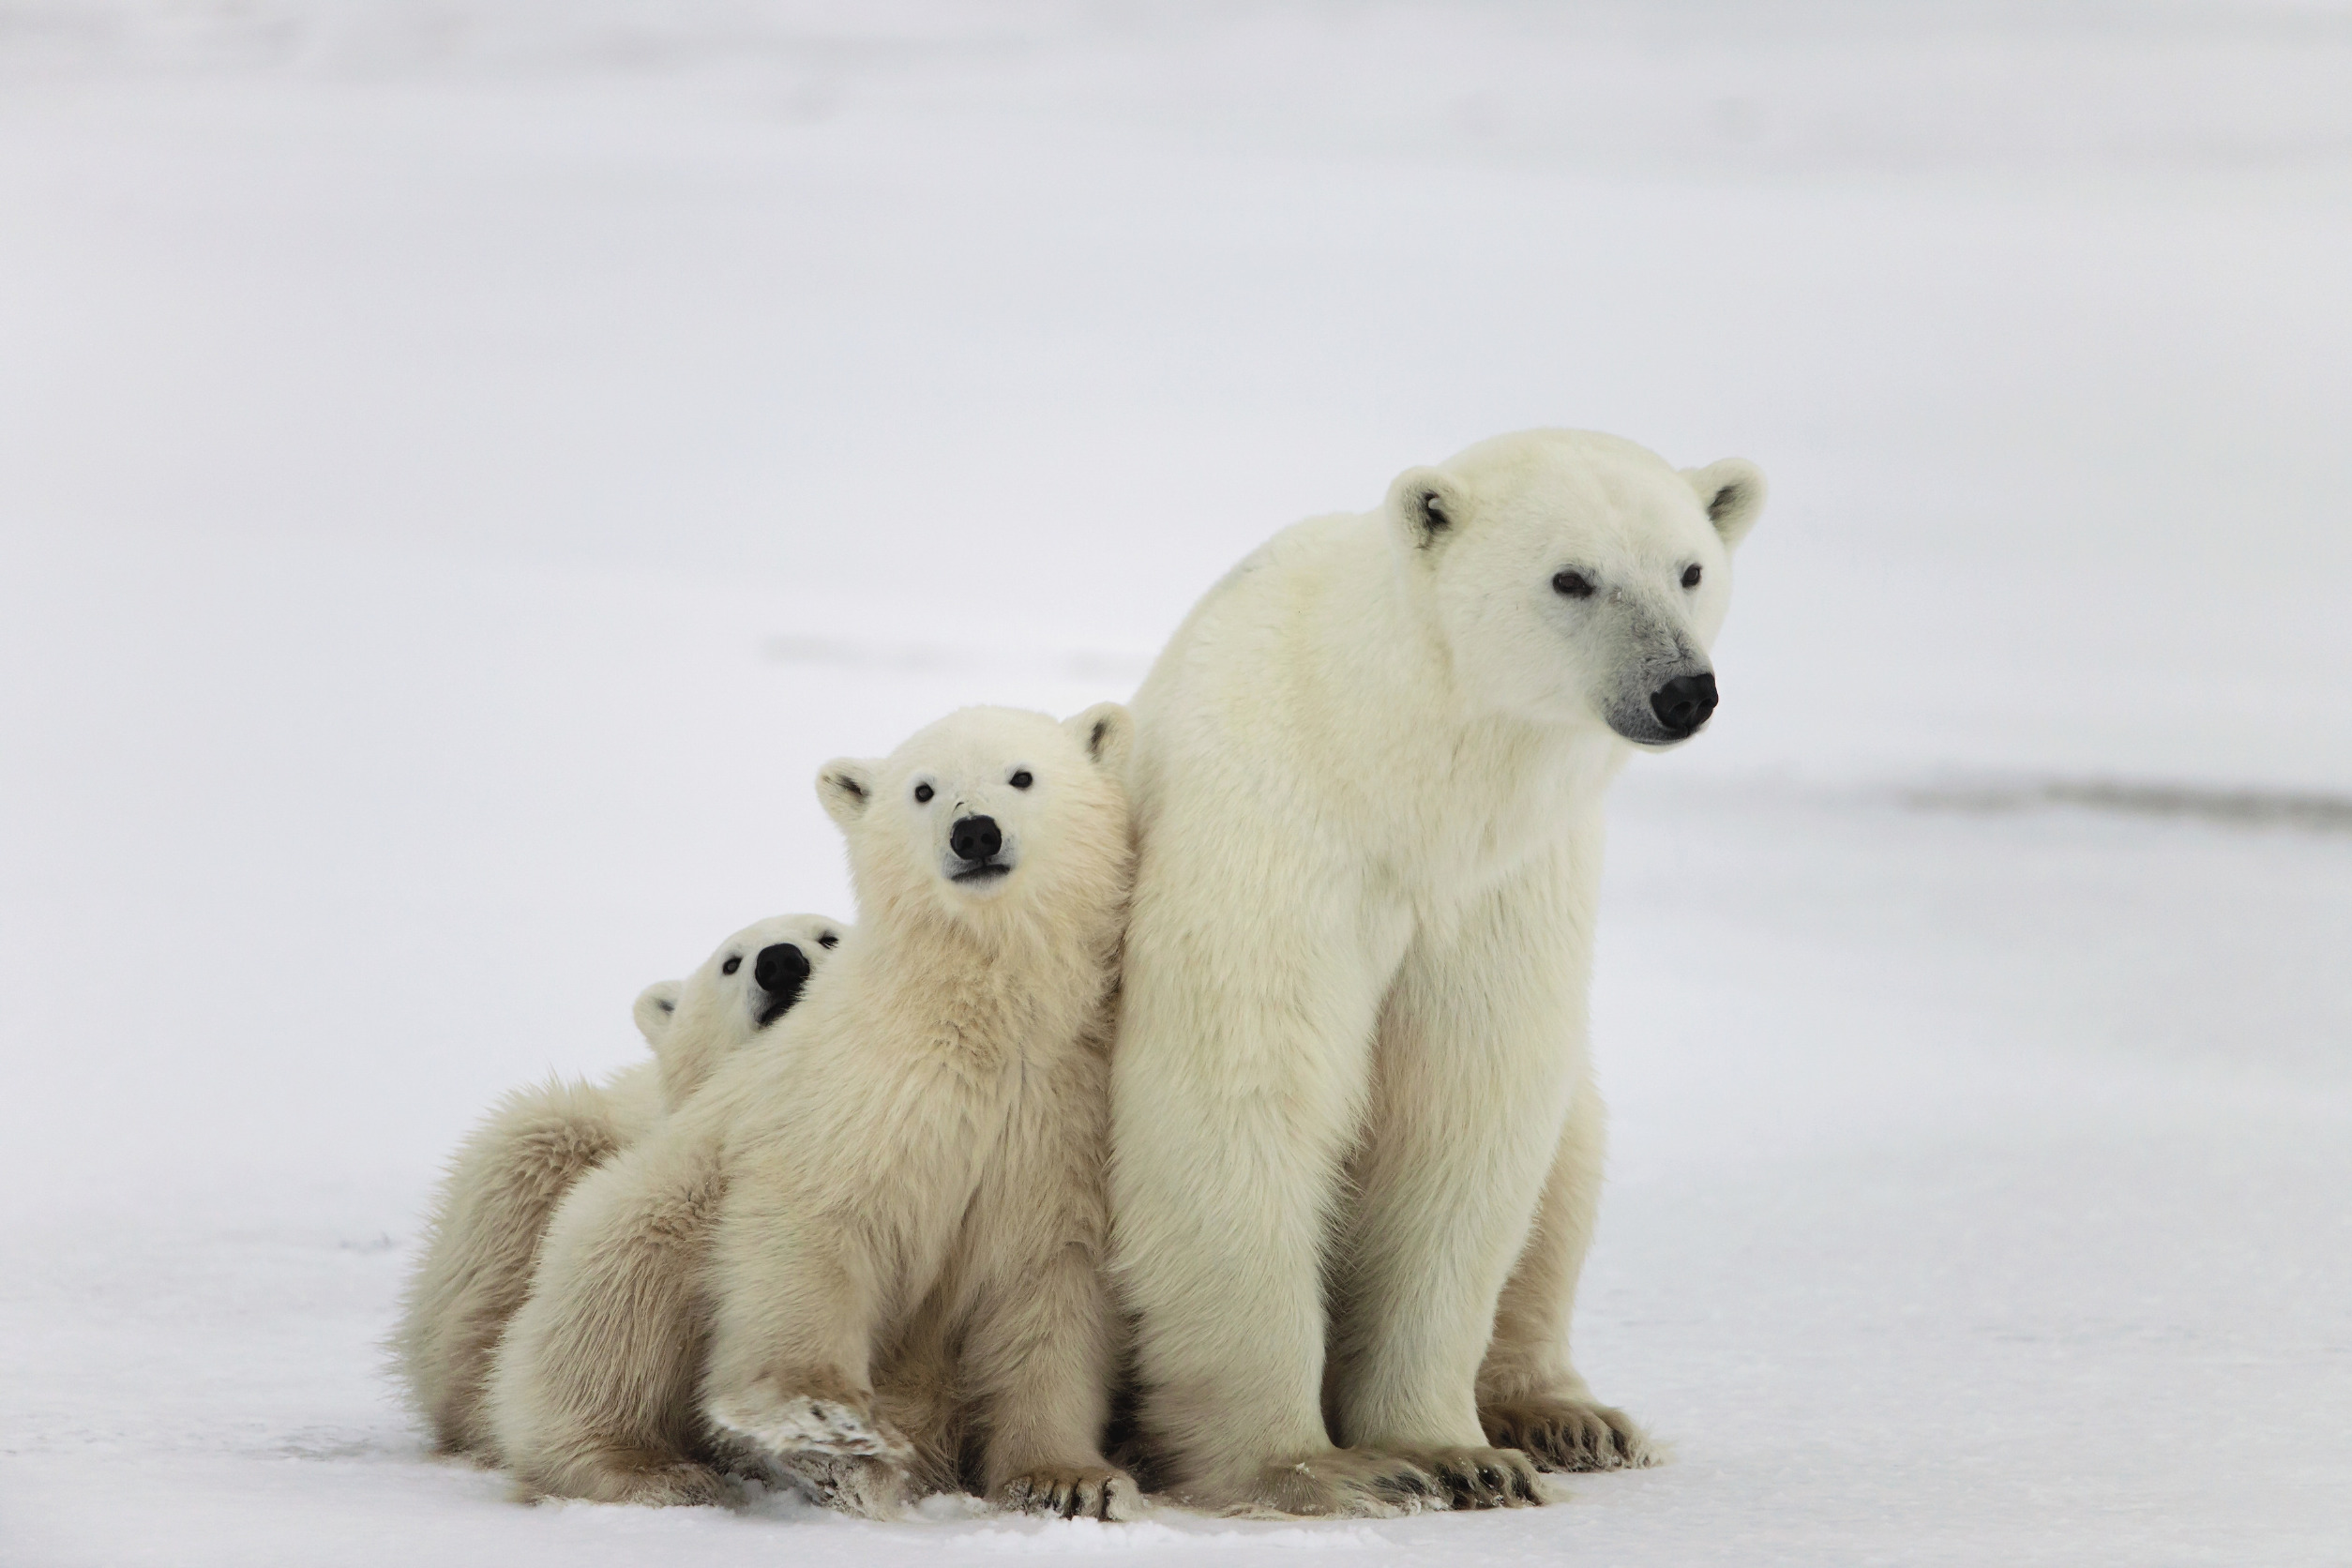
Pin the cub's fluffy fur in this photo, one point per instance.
(869, 1259)
(482, 1237)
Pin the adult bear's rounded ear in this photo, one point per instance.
(657, 1005)
(1426, 505)
(1105, 730)
(845, 785)
(1732, 492)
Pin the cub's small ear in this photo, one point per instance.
(845, 787)
(1105, 730)
(1427, 506)
(656, 1006)
(1732, 492)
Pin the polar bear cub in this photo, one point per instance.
(752, 980)
(869, 1260)
(482, 1237)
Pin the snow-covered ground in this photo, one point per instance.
(464, 462)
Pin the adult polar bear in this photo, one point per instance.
(1351, 1068)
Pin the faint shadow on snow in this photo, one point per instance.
(923, 658)
(2234, 807)
(1168, 1530)
(343, 1443)
(975, 1526)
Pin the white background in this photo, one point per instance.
(463, 464)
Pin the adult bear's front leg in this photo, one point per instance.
(1481, 1049)
(1529, 1394)
(1238, 1083)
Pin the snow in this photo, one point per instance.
(464, 462)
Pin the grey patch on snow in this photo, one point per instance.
(340, 1442)
(919, 658)
(1031, 1537)
(2244, 807)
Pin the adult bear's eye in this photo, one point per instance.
(734, 962)
(1574, 585)
(922, 791)
(1022, 780)
(1690, 577)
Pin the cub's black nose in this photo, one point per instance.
(1684, 702)
(781, 968)
(974, 838)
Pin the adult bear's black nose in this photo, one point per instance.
(1684, 702)
(974, 838)
(781, 968)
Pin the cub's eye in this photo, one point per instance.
(1022, 780)
(1573, 585)
(922, 791)
(1690, 577)
(734, 962)
(829, 939)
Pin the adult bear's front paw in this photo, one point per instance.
(832, 1420)
(1072, 1492)
(1336, 1483)
(1564, 1434)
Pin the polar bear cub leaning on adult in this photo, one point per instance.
(870, 1261)
(482, 1237)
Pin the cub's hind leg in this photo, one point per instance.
(483, 1242)
(593, 1395)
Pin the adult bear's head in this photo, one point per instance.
(1576, 576)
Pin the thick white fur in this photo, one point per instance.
(482, 1237)
(871, 1258)
(1351, 1059)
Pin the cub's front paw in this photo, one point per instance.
(1567, 1434)
(1336, 1483)
(1072, 1492)
(870, 1488)
(1483, 1477)
(838, 1422)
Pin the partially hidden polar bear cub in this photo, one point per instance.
(483, 1234)
(1356, 1148)
(869, 1260)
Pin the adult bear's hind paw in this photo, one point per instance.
(1561, 1434)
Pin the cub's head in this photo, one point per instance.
(753, 979)
(1578, 578)
(992, 814)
